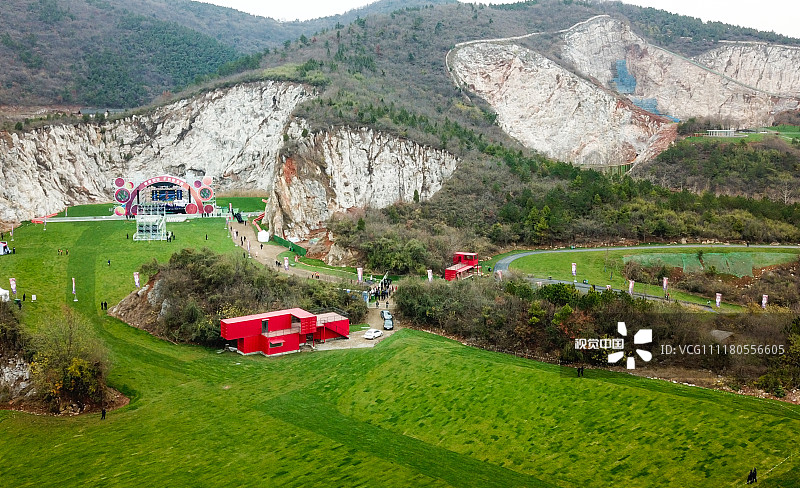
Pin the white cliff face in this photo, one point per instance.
(770, 68)
(231, 134)
(552, 110)
(351, 168)
(235, 135)
(580, 117)
(738, 87)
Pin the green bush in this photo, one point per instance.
(69, 365)
(201, 288)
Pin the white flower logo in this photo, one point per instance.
(643, 336)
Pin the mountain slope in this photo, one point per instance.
(114, 53)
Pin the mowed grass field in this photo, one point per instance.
(244, 204)
(417, 410)
(601, 267)
(733, 263)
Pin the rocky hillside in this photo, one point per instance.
(608, 51)
(349, 169)
(599, 100)
(767, 67)
(245, 137)
(556, 112)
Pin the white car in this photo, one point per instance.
(372, 334)
(385, 314)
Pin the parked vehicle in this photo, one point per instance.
(372, 334)
(385, 314)
(388, 324)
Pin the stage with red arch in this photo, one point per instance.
(167, 191)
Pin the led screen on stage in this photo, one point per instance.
(167, 195)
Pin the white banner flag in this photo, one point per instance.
(73, 286)
(666, 283)
(13, 282)
(574, 269)
(360, 274)
(719, 299)
(12, 232)
(430, 275)
(136, 278)
(630, 287)
(763, 301)
(286, 263)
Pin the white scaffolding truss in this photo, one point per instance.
(151, 223)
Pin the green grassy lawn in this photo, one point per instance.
(598, 266)
(786, 131)
(416, 410)
(320, 267)
(244, 204)
(733, 263)
(40, 270)
(91, 210)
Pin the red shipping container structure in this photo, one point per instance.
(465, 264)
(283, 331)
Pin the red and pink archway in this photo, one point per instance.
(126, 194)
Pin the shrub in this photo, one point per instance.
(69, 365)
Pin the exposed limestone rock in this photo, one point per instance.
(738, 85)
(341, 169)
(579, 117)
(340, 256)
(235, 135)
(15, 377)
(231, 134)
(771, 68)
(552, 110)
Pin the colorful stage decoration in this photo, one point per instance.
(175, 194)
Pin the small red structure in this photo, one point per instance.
(283, 331)
(465, 264)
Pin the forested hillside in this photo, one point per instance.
(769, 168)
(91, 53)
(112, 53)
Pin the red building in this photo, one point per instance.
(465, 264)
(283, 331)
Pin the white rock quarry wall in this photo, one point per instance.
(682, 87)
(550, 109)
(772, 68)
(231, 134)
(348, 169)
(234, 135)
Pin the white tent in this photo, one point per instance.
(4, 295)
(4, 249)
